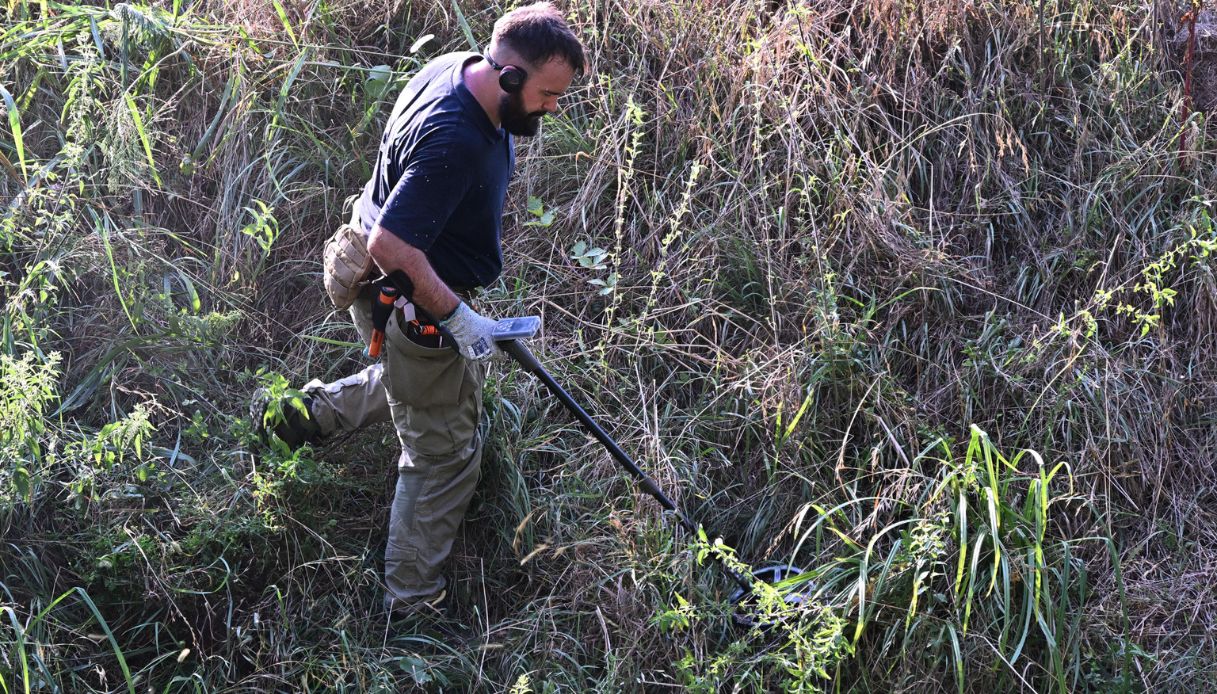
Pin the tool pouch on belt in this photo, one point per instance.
(347, 265)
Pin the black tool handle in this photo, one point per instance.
(528, 361)
(402, 281)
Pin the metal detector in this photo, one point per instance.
(510, 334)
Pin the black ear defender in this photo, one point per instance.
(511, 77)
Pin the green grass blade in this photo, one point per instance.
(798, 416)
(287, 25)
(332, 342)
(1027, 613)
(114, 359)
(972, 576)
(468, 32)
(118, 653)
(21, 637)
(864, 572)
(962, 541)
(957, 657)
(14, 123)
(20, 648)
(285, 89)
(991, 501)
(230, 90)
(118, 289)
(143, 136)
(196, 304)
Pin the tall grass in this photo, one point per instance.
(799, 257)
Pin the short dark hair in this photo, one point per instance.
(539, 33)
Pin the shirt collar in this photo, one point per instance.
(471, 103)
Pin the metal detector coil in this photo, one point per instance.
(772, 574)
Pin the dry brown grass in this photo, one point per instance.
(911, 216)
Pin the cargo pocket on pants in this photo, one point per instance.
(424, 377)
(407, 549)
(435, 396)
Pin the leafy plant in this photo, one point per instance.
(791, 644)
(594, 258)
(28, 386)
(536, 208)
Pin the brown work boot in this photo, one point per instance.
(431, 615)
(431, 605)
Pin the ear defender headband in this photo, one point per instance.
(511, 77)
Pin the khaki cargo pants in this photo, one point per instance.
(434, 397)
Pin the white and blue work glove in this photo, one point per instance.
(473, 333)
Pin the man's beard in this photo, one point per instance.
(515, 119)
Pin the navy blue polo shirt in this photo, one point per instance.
(441, 176)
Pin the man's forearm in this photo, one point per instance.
(392, 253)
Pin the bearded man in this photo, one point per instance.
(433, 211)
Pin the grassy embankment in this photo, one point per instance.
(800, 261)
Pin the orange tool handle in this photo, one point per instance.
(381, 310)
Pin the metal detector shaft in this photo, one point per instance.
(526, 359)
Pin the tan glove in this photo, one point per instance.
(347, 265)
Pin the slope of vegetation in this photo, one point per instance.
(918, 296)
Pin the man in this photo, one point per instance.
(432, 210)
